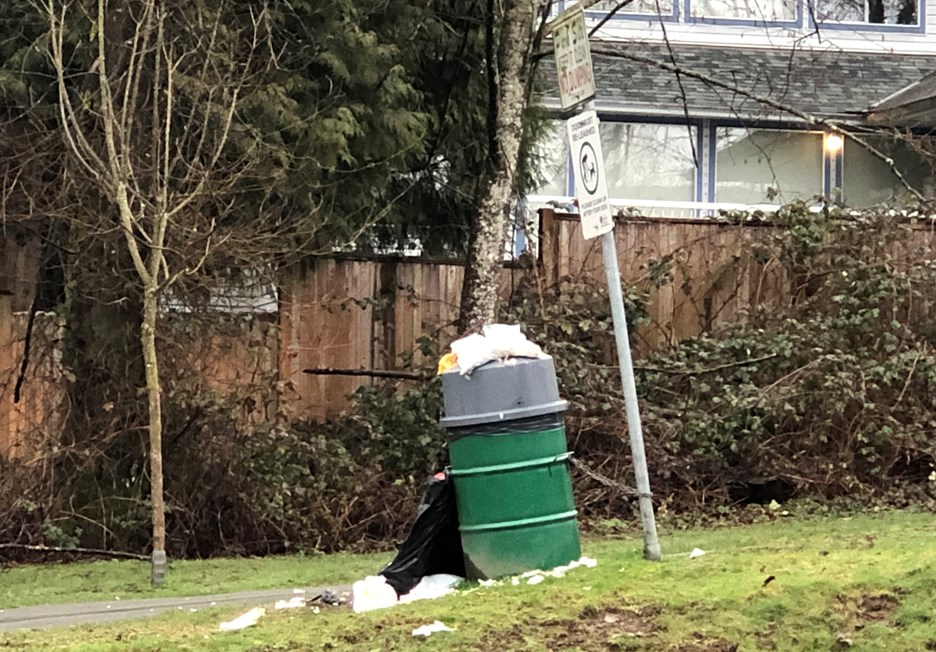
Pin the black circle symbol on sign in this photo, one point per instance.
(588, 164)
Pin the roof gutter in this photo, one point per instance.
(622, 109)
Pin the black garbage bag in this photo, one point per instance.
(433, 545)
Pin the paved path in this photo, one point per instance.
(64, 615)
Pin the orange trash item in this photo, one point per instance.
(448, 362)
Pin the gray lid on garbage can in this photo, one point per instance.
(519, 388)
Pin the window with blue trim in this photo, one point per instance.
(869, 181)
(868, 12)
(880, 15)
(651, 7)
(771, 11)
(650, 161)
(552, 162)
(643, 160)
(657, 162)
(766, 166)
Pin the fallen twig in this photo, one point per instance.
(82, 551)
(371, 373)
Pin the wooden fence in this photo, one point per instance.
(699, 276)
(370, 313)
(352, 313)
(35, 413)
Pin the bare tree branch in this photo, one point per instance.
(79, 551)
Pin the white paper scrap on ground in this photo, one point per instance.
(560, 571)
(696, 552)
(296, 602)
(431, 587)
(429, 630)
(371, 593)
(246, 619)
(534, 577)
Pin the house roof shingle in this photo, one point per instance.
(828, 84)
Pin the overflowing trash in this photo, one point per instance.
(428, 564)
(517, 397)
(496, 342)
(434, 628)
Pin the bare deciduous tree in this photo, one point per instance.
(147, 124)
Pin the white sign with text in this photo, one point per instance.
(573, 58)
(591, 189)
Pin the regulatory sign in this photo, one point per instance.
(573, 58)
(591, 189)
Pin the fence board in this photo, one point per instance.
(24, 424)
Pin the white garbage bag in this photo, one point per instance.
(371, 593)
(431, 587)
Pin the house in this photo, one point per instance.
(728, 103)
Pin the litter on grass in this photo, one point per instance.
(434, 544)
(373, 592)
(296, 602)
(696, 552)
(432, 587)
(328, 597)
(429, 630)
(247, 619)
(535, 577)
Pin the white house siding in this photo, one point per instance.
(804, 35)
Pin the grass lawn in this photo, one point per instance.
(866, 582)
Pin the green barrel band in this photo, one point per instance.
(513, 466)
(538, 520)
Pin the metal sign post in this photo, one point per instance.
(632, 410)
(576, 84)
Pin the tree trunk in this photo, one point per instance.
(148, 341)
(486, 249)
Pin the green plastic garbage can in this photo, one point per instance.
(509, 462)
